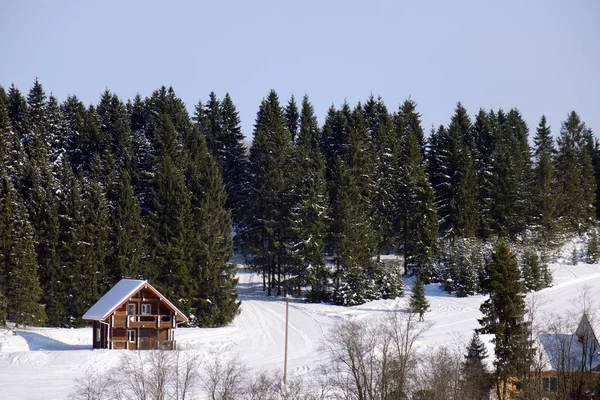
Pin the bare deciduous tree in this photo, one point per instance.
(375, 359)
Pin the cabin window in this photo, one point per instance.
(550, 384)
(131, 309)
(97, 334)
(146, 309)
(131, 336)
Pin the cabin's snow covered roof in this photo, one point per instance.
(123, 290)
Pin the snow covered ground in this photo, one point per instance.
(44, 362)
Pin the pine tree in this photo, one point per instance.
(39, 187)
(72, 277)
(266, 231)
(213, 297)
(418, 222)
(76, 119)
(361, 158)
(113, 121)
(18, 264)
(418, 302)
(354, 242)
(292, 117)
(534, 270)
(593, 247)
(482, 141)
(576, 182)
(512, 177)
(56, 130)
(385, 196)
(235, 165)
(454, 179)
(503, 316)
(96, 236)
(143, 148)
(16, 108)
(127, 233)
(544, 180)
(476, 380)
(309, 215)
(169, 217)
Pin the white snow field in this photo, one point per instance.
(43, 363)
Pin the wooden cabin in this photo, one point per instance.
(134, 315)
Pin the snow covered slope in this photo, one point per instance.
(43, 363)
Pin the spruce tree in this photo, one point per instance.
(18, 265)
(534, 270)
(72, 276)
(39, 187)
(476, 380)
(169, 217)
(309, 215)
(266, 229)
(483, 139)
(503, 316)
(454, 179)
(292, 117)
(385, 195)
(418, 302)
(76, 119)
(113, 121)
(576, 182)
(418, 222)
(214, 292)
(96, 232)
(511, 171)
(593, 247)
(361, 158)
(354, 242)
(127, 234)
(16, 108)
(544, 179)
(235, 165)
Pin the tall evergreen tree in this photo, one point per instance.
(220, 124)
(127, 233)
(309, 214)
(418, 222)
(266, 231)
(512, 176)
(39, 187)
(361, 158)
(96, 232)
(544, 179)
(576, 183)
(71, 277)
(503, 316)
(292, 117)
(482, 141)
(454, 179)
(354, 242)
(169, 217)
(476, 380)
(213, 292)
(418, 301)
(18, 265)
(235, 166)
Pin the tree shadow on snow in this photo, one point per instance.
(37, 342)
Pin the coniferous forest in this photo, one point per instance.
(142, 189)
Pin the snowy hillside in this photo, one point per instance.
(43, 362)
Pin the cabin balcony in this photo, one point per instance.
(144, 344)
(150, 321)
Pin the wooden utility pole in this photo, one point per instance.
(287, 308)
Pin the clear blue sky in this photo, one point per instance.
(542, 56)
